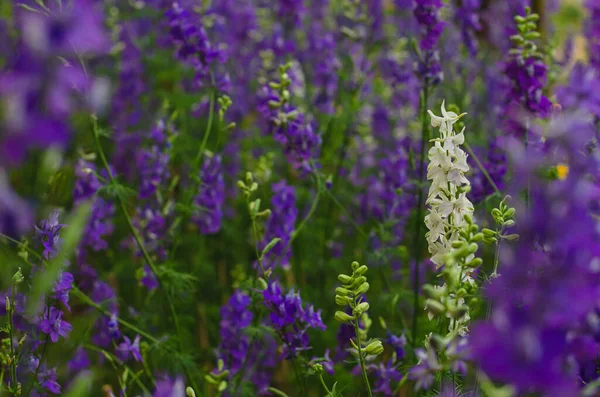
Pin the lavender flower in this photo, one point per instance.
(468, 20)
(127, 348)
(593, 32)
(290, 318)
(53, 324)
(426, 12)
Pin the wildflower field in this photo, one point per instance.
(300, 198)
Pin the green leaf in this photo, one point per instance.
(45, 279)
(81, 385)
(117, 190)
(269, 246)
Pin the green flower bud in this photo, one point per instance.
(435, 307)
(189, 392)
(18, 277)
(458, 244)
(341, 300)
(374, 348)
(433, 292)
(476, 262)
(477, 237)
(488, 233)
(509, 213)
(355, 265)
(362, 289)
(7, 304)
(461, 293)
(360, 309)
(361, 270)
(222, 386)
(345, 279)
(511, 237)
(242, 185)
(473, 247)
(342, 291)
(343, 317)
(469, 219)
(358, 282)
(509, 223)
(318, 368)
(262, 284)
(249, 178)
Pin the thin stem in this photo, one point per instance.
(361, 359)
(13, 361)
(419, 218)
(482, 168)
(310, 212)
(138, 240)
(324, 385)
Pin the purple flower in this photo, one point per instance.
(426, 13)
(79, 361)
(468, 19)
(210, 197)
(126, 348)
(593, 32)
(397, 343)
(424, 372)
(169, 388)
(63, 287)
(384, 374)
(49, 381)
(53, 324)
(290, 319)
(48, 233)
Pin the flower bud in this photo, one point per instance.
(360, 309)
(509, 223)
(476, 262)
(342, 291)
(361, 270)
(343, 317)
(7, 304)
(509, 213)
(318, 368)
(374, 348)
(355, 265)
(362, 289)
(18, 277)
(511, 237)
(477, 237)
(433, 292)
(344, 278)
(341, 300)
(458, 244)
(435, 307)
(189, 392)
(358, 282)
(473, 247)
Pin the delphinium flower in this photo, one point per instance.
(326, 67)
(99, 225)
(210, 197)
(15, 214)
(581, 91)
(194, 48)
(426, 12)
(237, 351)
(528, 75)
(280, 225)
(498, 20)
(447, 198)
(535, 339)
(467, 15)
(37, 88)
(593, 32)
(290, 318)
(384, 374)
(167, 387)
(289, 126)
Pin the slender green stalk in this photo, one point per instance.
(329, 393)
(13, 361)
(140, 243)
(419, 219)
(362, 359)
(310, 212)
(482, 168)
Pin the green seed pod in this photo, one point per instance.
(374, 348)
(362, 289)
(345, 279)
(189, 392)
(342, 291)
(477, 237)
(343, 317)
(469, 219)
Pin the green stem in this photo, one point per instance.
(419, 219)
(482, 168)
(140, 244)
(310, 212)
(362, 359)
(324, 385)
(13, 358)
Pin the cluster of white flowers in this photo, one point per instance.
(447, 199)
